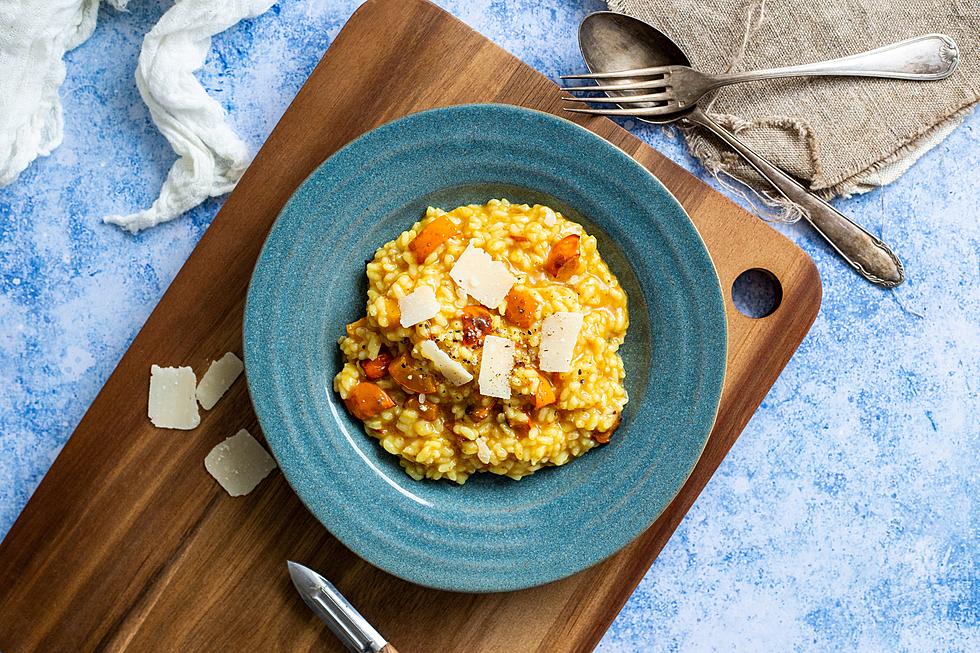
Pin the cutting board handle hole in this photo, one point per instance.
(757, 293)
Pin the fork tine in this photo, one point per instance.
(648, 85)
(625, 99)
(641, 112)
(656, 70)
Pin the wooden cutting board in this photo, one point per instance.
(129, 544)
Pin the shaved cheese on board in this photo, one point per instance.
(418, 306)
(216, 381)
(452, 370)
(559, 332)
(239, 463)
(482, 278)
(498, 361)
(172, 403)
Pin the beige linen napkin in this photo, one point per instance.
(842, 135)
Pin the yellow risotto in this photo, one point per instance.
(489, 343)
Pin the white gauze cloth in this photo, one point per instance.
(34, 36)
(212, 157)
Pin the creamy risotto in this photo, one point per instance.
(489, 343)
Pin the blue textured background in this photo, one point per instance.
(845, 517)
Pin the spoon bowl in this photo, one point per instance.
(611, 41)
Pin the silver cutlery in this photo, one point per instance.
(612, 42)
(923, 58)
(326, 601)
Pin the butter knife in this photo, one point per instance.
(341, 618)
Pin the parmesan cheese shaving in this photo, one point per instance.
(216, 381)
(239, 463)
(418, 306)
(559, 333)
(449, 368)
(482, 278)
(495, 367)
(172, 402)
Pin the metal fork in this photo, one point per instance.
(928, 57)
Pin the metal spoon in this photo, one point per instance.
(610, 41)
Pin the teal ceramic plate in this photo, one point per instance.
(492, 533)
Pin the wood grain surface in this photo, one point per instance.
(128, 544)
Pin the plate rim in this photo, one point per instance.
(717, 292)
